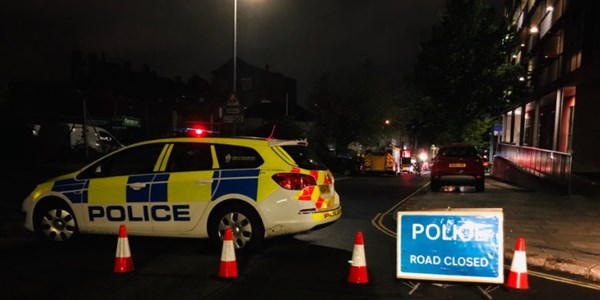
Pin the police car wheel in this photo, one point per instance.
(56, 222)
(245, 225)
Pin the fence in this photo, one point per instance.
(542, 163)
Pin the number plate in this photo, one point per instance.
(458, 165)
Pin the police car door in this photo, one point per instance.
(189, 166)
(238, 172)
(119, 189)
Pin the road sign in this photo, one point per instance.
(233, 111)
(233, 119)
(497, 129)
(451, 245)
(233, 101)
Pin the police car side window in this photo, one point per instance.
(137, 160)
(237, 157)
(190, 157)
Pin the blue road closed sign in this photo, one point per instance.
(451, 245)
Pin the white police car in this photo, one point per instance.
(190, 187)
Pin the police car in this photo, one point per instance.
(190, 187)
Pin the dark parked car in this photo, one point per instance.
(458, 164)
(345, 164)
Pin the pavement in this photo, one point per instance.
(561, 231)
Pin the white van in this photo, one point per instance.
(98, 138)
(54, 138)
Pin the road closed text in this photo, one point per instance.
(450, 261)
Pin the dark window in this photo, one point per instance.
(406, 161)
(458, 152)
(237, 157)
(136, 160)
(190, 157)
(246, 84)
(546, 127)
(304, 157)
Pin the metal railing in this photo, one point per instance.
(543, 163)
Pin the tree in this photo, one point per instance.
(462, 74)
(351, 105)
(282, 127)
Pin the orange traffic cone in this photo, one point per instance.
(228, 266)
(123, 262)
(517, 278)
(358, 269)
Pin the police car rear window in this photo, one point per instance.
(305, 157)
(458, 152)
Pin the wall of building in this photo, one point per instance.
(560, 117)
(586, 131)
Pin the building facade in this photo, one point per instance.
(261, 96)
(555, 131)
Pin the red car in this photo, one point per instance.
(457, 164)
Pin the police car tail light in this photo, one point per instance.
(294, 181)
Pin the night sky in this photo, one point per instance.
(298, 38)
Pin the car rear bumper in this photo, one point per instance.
(457, 178)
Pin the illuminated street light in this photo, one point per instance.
(534, 29)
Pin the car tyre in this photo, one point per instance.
(55, 221)
(246, 227)
(480, 185)
(435, 185)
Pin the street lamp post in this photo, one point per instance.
(233, 95)
(234, 45)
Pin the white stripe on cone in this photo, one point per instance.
(123, 248)
(358, 256)
(519, 263)
(228, 254)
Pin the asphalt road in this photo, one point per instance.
(309, 265)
